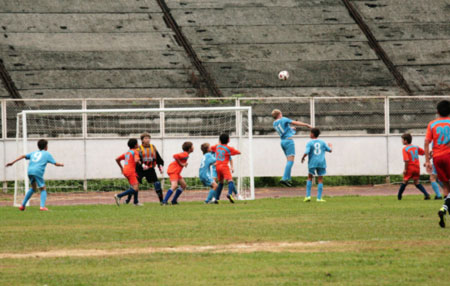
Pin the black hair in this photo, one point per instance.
(443, 108)
(42, 144)
(407, 137)
(132, 143)
(224, 138)
(315, 132)
(186, 146)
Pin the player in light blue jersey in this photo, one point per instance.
(317, 165)
(283, 127)
(205, 175)
(36, 169)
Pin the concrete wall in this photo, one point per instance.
(359, 155)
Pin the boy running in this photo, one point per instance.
(208, 161)
(36, 169)
(150, 158)
(317, 165)
(438, 133)
(131, 157)
(283, 127)
(412, 166)
(223, 154)
(174, 172)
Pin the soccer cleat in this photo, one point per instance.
(426, 198)
(174, 203)
(230, 197)
(164, 203)
(441, 214)
(44, 209)
(437, 198)
(320, 200)
(307, 199)
(117, 199)
(286, 183)
(22, 208)
(138, 205)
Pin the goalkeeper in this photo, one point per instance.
(150, 158)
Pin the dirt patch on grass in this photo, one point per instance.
(318, 246)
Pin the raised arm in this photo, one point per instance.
(18, 159)
(299, 123)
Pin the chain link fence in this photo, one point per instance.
(334, 116)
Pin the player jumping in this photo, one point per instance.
(283, 127)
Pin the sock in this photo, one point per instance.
(319, 191)
(287, 171)
(447, 203)
(435, 187)
(400, 191)
(27, 197)
(136, 197)
(177, 194)
(422, 189)
(211, 194)
(219, 191)
(168, 195)
(130, 191)
(231, 188)
(43, 198)
(158, 191)
(308, 188)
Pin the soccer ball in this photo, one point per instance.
(283, 75)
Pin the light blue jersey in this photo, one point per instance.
(38, 162)
(205, 168)
(315, 149)
(283, 128)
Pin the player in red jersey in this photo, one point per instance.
(412, 166)
(438, 133)
(129, 171)
(174, 172)
(223, 154)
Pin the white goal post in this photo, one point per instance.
(74, 131)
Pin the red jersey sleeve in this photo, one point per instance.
(121, 157)
(429, 134)
(405, 155)
(421, 151)
(234, 151)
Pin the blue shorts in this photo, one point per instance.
(206, 181)
(288, 147)
(318, 171)
(39, 180)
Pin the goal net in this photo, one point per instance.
(88, 141)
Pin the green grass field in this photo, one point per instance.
(346, 241)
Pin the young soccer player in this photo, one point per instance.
(223, 154)
(131, 158)
(438, 133)
(412, 166)
(36, 169)
(317, 165)
(149, 158)
(174, 172)
(205, 175)
(283, 127)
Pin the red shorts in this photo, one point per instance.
(413, 174)
(224, 173)
(175, 177)
(132, 178)
(442, 166)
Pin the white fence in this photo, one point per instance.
(365, 133)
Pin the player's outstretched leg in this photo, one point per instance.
(117, 197)
(401, 190)
(423, 191)
(26, 199)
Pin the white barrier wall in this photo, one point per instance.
(359, 155)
